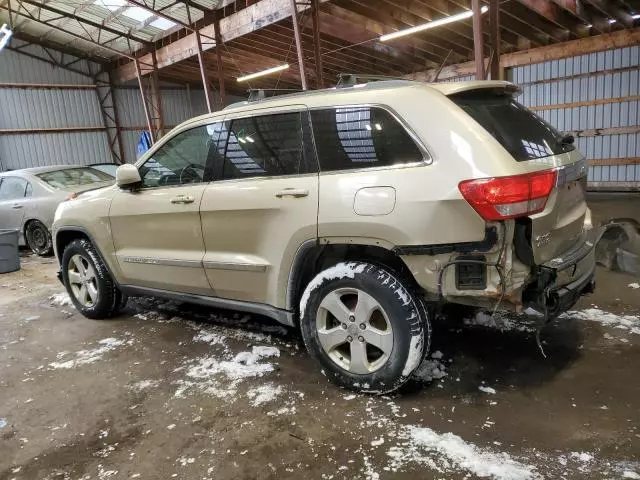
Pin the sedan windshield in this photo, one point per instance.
(74, 177)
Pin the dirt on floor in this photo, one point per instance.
(170, 390)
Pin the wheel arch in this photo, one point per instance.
(65, 235)
(312, 257)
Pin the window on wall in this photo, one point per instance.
(12, 188)
(267, 145)
(183, 159)
(360, 137)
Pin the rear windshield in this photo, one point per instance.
(521, 132)
(74, 177)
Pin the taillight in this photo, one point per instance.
(501, 198)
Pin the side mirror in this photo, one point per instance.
(127, 176)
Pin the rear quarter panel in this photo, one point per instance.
(429, 208)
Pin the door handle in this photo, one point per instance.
(182, 199)
(17, 205)
(293, 192)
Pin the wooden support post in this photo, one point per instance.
(315, 15)
(478, 41)
(296, 33)
(144, 101)
(494, 28)
(218, 37)
(203, 70)
(156, 98)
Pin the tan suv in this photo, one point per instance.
(348, 213)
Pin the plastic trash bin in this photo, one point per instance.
(9, 256)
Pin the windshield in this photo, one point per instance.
(74, 177)
(525, 135)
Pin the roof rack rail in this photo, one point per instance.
(256, 94)
(351, 79)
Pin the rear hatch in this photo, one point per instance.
(536, 146)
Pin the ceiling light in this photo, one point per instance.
(249, 139)
(636, 16)
(6, 35)
(612, 20)
(433, 24)
(263, 72)
(378, 127)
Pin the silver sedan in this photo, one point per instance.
(29, 198)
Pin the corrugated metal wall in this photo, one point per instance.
(29, 108)
(51, 108)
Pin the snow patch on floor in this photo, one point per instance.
(61, 299)
(489, 390)
(3, 423)
(221, 378)
(623, 322)
(431, 368)
(634, 285)
(145, 385)
(446, 452)
(264, 394)
(84, 357)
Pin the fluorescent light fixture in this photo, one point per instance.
(612, 20)
(249, 139)
(378, 127)
(6, 35)
(433, 24)
(636, 16)
(268, 71)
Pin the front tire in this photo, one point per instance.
(38, 238)
(364, 326)
(88, 282)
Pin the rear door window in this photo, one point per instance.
(361, 137)
(268, 145)
(521, 132)
(13, 188)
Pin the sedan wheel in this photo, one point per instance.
(83, 280)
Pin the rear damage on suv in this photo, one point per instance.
(539, 245)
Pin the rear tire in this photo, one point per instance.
(88, 282)
(364, 326)
(38, 238)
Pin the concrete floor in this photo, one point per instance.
(156, 394)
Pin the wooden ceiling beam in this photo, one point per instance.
(242, 22)
(398, 19)
(534, 19)
(509, 23)
(430, 12)
(611, 9)
(359, 15)
(346, 50)
(355, 28)
(280, 36)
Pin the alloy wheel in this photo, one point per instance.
(354, 330)
(83, 280)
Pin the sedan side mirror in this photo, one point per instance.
(127, 176)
